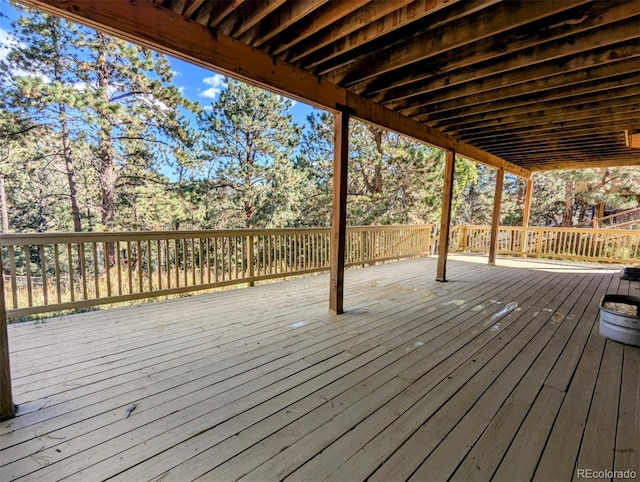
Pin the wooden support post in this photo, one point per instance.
(495, 219)
(526, 215)
(339, 213)
(7, 409)
(445, 219)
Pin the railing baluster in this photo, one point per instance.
(43, 271)
(230, 249)
(176, 261)
(27, 257)
(83, 264)
(208, 258)
(215, 259)
(193, 263)
(71, 273)
(167, 260)
(129, 268)
(96, 280)
(139, 260)
(56, 257)
(119, 266)
(200, 259)
(107, 266)
(237, 245)
(159, 259)
(149, 265)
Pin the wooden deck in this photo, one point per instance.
(498, 374)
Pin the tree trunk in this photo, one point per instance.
(65, 138)
(71, 174)
(377, 176)
(106, 168)
(569, 199)
(3, 206)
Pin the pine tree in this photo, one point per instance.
(41, 69)
(249, 141)
(134, 114)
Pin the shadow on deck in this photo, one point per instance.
(500, 373)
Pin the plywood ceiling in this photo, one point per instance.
(538, 84)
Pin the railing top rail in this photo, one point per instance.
(11, 239)
(549, 228)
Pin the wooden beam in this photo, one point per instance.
(279, 21)
(250, 15)
(7, 408)
(407, 81)
(339, 211)
(445, 218)
(324, 18)
(155, 27)
(555, 109)
(609, 117)
(552, 166)
(431, 42)
(219, 14)
(363, 18)
(398, 17)
(495, 217)
(498, 143)
(544, 55)
(191, 8)
(583, 152)
(472, 99)
(560, 143)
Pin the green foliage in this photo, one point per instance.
(248, 138)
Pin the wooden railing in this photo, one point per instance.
(52, 272)
(623, 219)
(608, 245)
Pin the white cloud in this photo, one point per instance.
(216, 84)
(6, 42)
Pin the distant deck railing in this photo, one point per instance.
(48, 272)
(623, 219)
(601, 245)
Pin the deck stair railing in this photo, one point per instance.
(629, 218)
(47, 272)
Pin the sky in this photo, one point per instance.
(196, 83)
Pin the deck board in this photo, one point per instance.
(417, 380)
